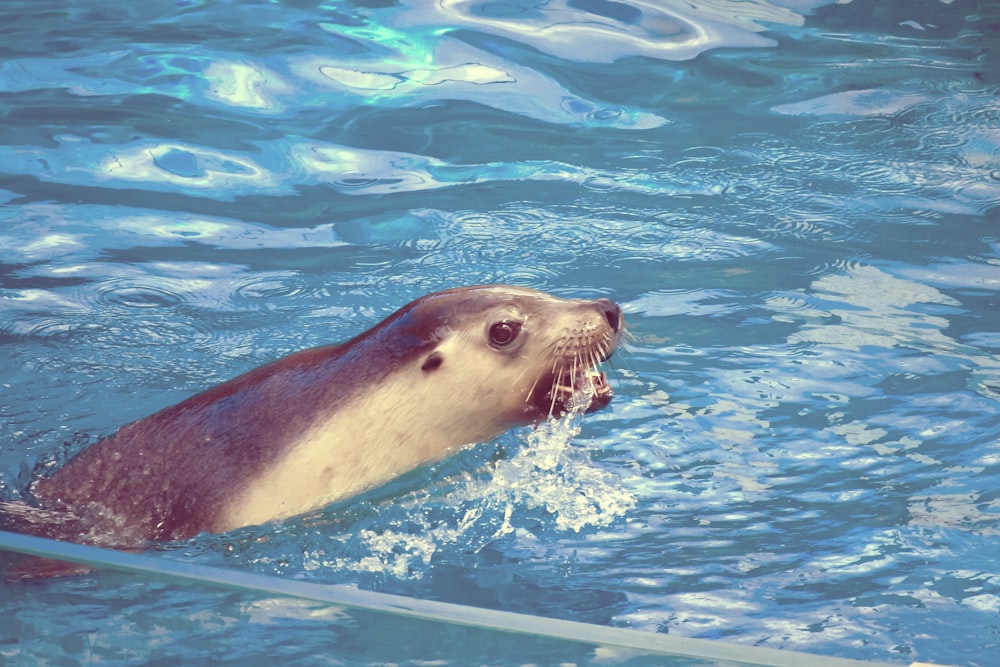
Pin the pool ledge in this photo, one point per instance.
(443, 612)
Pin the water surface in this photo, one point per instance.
(796, 204)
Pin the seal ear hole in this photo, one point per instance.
(432, 362)
(503, 333)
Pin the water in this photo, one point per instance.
(796, 204)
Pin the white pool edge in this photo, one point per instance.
(443, 612)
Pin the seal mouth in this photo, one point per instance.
(575, 382)
(574, 385)
(588, 389)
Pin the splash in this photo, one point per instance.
(552, 475)
(548, 484)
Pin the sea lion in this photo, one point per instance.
(449, 369)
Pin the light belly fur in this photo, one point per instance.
(364, 443)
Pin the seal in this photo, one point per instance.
(320, 425)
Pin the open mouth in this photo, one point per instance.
(587, 389)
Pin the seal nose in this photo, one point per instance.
(612, 313)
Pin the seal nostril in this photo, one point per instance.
(612, 313)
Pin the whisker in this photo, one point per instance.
(576, 358)
(531, 390)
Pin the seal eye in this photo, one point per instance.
(503, 334)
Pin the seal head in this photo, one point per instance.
(531, 353)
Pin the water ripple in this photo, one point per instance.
(142, 333)
(524, 239)
(612, 30)
(403, 77)
(130, 293)
(269, 287)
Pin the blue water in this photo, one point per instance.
(797, 204)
